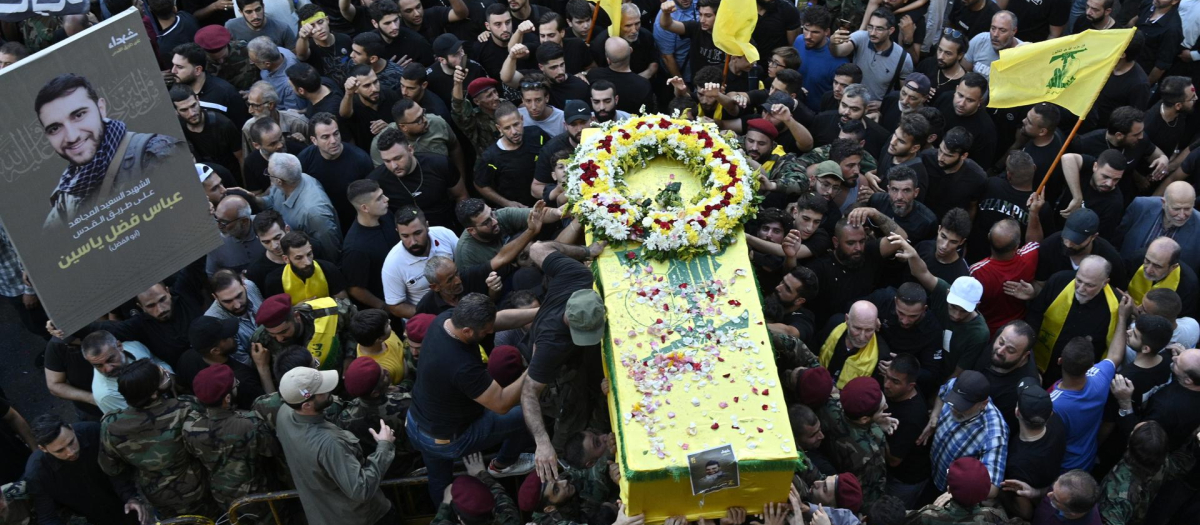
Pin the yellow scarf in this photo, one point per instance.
(1056, 316)
(716, 113)
(861, 364)
(301, 290)
(1139, 285)
(324, 343)
(770, 164)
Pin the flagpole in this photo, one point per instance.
(592, 27)
(1063, 150)
(725, 72)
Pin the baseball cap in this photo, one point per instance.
(575, 110)
(362, 376)
(213, 383)
(274, 310)
(968, 482)
(471, 497)
(861, 397)
(1081, 224)
(763, 126)
(585, 314)
(917, 82)
(970, 388)
(480, 85)
(830, 168)
(205, 332)
(302, 383)
(204, 171)
(445, 45)
(213, 37)
(1033, 401)
(965, 293)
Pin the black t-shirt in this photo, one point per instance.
(1130, 89)
(217, 93)
(946, 272)
(68, 359)
(1174, 407)
(952, 190)
(260, 269)
(331, 104)
(703, 51)
(249, 386)
(544, 171)
(1168, 137)
(920, 224)
(434, 104)
(333, 278)
(1007, 121)
(841, 285)
(918, 19)
(336, 175)
(633, 91)
(1004, 386)
(360, 123)
(941, 83)
(1000, 201)
(330, 61)
(1108, 205)
(577, 55)
(969, 22)
(411, 44)
(1036, 16)
(451, 376)
(1053, 258)
(912, 414)
(363, 252)
(550, 335)
(490, 56)
(573, 88)
(644, 51)
(922, 340)
(433, 22)
(887, 162)
(510, 173)
(1094, 143)
(474, 280)
(1088, 319)
(983, 131)
(1038, 462)
(1144, 380)
(427, 187)
(889, 110)
(770, 32)
(183, 31)
(337, 22)
(442, 84)
(804, 322)
(218, 142)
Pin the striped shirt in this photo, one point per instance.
(983, 437)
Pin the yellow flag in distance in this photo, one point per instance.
(1069, 71)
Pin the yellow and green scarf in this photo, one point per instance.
(1056, 316)
(861, 364)
(1139, 285)
(301, 290)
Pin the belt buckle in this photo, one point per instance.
(441, 441)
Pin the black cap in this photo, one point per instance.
(1033, 401)
(206, 332)
(970, 388)
(445, 45)
(1081, 224)
(575, 110)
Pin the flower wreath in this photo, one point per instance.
(666, 226)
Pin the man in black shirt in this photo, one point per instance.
(323, 96)
(778, 26)
(633, 91)
(491, 52)
(1167, 122)
(1124, 133)
(913, 95)
(972, 17)
(334, 163)
(1097, 15)
(1040, 19)
(317, 44)
(369, 49)
(1009, 362)
(367, 244)
(1005, 196)
(794, 291)
(643, 59)
(909, 329)
(955, 181)
(63, 476)
(366, 105)
(401, 44)
(1159, 20)
(851, 270)
(504, 176)
(414, 85)
(552, 28)
(304, 277)
(965, 109)
(944, 69)
(906, 143)
(1087, 314)
(161, 325)
(189, 66)
(1040, 138)
(457, 408)
(1128, 86)
(703, 51)
(1035, 449)
(1079, 238)
(900, 203)
(69, 377)
(424, 180)
(1098, 179)
(270, 229)
(209, 134)
(944, 254)
(908, 462)
(430, 22)
(213, 342)
(448, 50)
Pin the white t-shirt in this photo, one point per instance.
(104, 388)
(554, 124)
(404, 273)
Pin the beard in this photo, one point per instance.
(417, 249)
(305, 273)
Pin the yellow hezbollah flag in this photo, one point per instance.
(613, 9)
(733, 26)
(1068, 71)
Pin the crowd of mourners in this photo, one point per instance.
(402, 292)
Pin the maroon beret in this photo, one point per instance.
(471, 497)
(213, 37)
(849, 492)
(529, 496)
(274, 310)
(861, 397)
(361, 376)
(213, 383)
(505, 364)
(816, 385)
(968, 481)
(763, 126)
(415, 328)
(480, 85)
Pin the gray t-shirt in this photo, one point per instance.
(283, 36)
(981, 53)
(878, 69)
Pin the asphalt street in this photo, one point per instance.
(24, 383)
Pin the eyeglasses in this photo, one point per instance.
(258, 105)
(953, 33)
(776, 63)
(419, 120)
(532, 85)
(225, 223)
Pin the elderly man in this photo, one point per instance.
(1073, 304)
(984, 48)
(1161, 268)
(108, 356)
(262, 100)
(964, 422)
(475, 116)
(239, 246)
(272, 62)
(1172, 215)
(850, 347)
(303, 204)
(266, 139)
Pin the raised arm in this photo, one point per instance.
(916, 266)
(666, 22)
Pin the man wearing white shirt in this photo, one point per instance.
(404, 282)
(108, 356)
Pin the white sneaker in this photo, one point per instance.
(522, 466)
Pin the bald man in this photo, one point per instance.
(1073, 304)
(633, 90)
(239, 246)
(1010, 266)
(1162, 268)
(1172, 215)
(851, 348)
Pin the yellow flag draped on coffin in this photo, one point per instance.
(1068, 71)
(733, 27)
(612, 8)
(1139, 285)
(1056, 316)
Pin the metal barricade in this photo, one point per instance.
(415, 509)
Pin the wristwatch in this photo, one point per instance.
(1124, 412)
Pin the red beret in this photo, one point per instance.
(480, 85)
(505, 364)
(968, 481)
(274, 310)
(816, 385)
(361, 376)
(213, 37)
(529, 496)
(415, 328)
(861, 397)
(471, 497)
(212, 383)
(763, 126)
(849, 492)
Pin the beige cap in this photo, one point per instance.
(301, 384)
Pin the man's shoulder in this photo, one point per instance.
(150, 146)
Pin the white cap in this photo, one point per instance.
(965, 293)
(204, 170)
(301, 383)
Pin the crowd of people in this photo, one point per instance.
(401, 287)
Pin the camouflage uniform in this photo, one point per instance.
(236, 69)
(150, 441)
(479, 127)
(1126, 495)
(362, 414)
(791, 352)
(863, 454)
(788, 174)
(345, 347)
(504, 513)
(821, 154)
(955, 514)
(229, 443)
(592, 488)
(38, 31)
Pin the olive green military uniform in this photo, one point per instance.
(236, 69)
(344, 346)
(504, 513)
(230, 444)
(863, 453)
(363, 414)
(954, 513)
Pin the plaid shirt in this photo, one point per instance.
(11, 284)
(984, 437)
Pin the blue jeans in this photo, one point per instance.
(491, 429)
